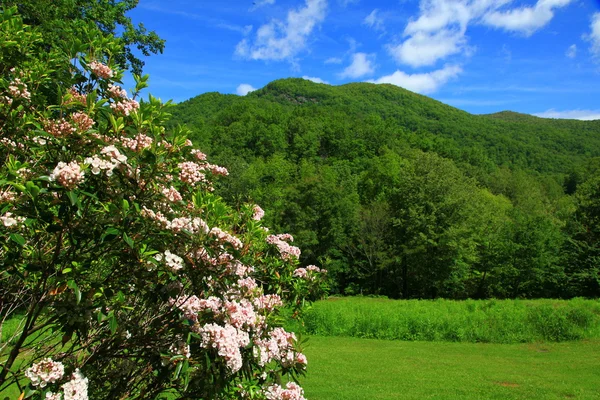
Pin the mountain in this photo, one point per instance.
(380, 114)
(399, 194)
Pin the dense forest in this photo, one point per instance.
(400, 195)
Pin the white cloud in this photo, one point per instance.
(585, 115)
(244, 89)
(283, 40)
(333, 60)
(424, 48)
(594, 36)
(373, 21)
(421, 83)
(525, 20)
(571, 51)
(439, 30)
(345, 3)
(315, 79)
(260, 3)
(362, 64)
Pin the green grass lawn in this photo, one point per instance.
(351, 369)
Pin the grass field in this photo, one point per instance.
(359, 369)
(486, 321)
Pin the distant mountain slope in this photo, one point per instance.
(370, 115)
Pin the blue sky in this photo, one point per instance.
(538, 57)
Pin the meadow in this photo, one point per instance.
(476, 321)
(376, 348)
(341, 368)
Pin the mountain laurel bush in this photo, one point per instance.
(130, 276)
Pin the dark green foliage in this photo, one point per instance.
(61, 20)
(398, 194)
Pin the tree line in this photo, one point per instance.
(400, 195)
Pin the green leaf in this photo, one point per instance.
(18, 239)
(73, 197)
(128, 240)
(112, 322)
(67, 270)
(75, 288)
(110, 233)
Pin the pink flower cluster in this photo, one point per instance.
(12, 144)
(226, 237)
(278, 346)
(116, 92)
(258, 213)
(189, 172)
(45, 372)
(125, 107)
(292, 392)
(247, 283)
(67, 175)
(239, 269)
(112, 158)
(172, 261)
(7, 196)
(240, 314)
(18, 89)
(138, 143)
(286, 250)
(78, 97)
(77, 387)
(227, 341)
(83, 121)
(199, 155)
(59, 128)
(172, 194)
(193, 225)
(10, 220)
(268, 302)
(101, 70)
(306, 272)
(215, 169)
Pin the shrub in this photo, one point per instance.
(133, 277)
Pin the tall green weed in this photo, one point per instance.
(488, 321)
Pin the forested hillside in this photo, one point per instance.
(401, 195)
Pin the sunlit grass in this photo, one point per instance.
(359, 369)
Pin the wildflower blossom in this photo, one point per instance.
(6, 196)
(227, 341)
(9, 220)
(199, 155)
(258, 213)
(226, 237)
(18, 89)
(67, 175)
(292, 392)
(125, 107)
(173, 261)
(138, 143)
(77, 387)
(190, 173)
(59, 128)
(116, 91)
(53, 396)
(83, 121)
(101, 70)
(45, 372)
(172, 194)
(78, 97)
